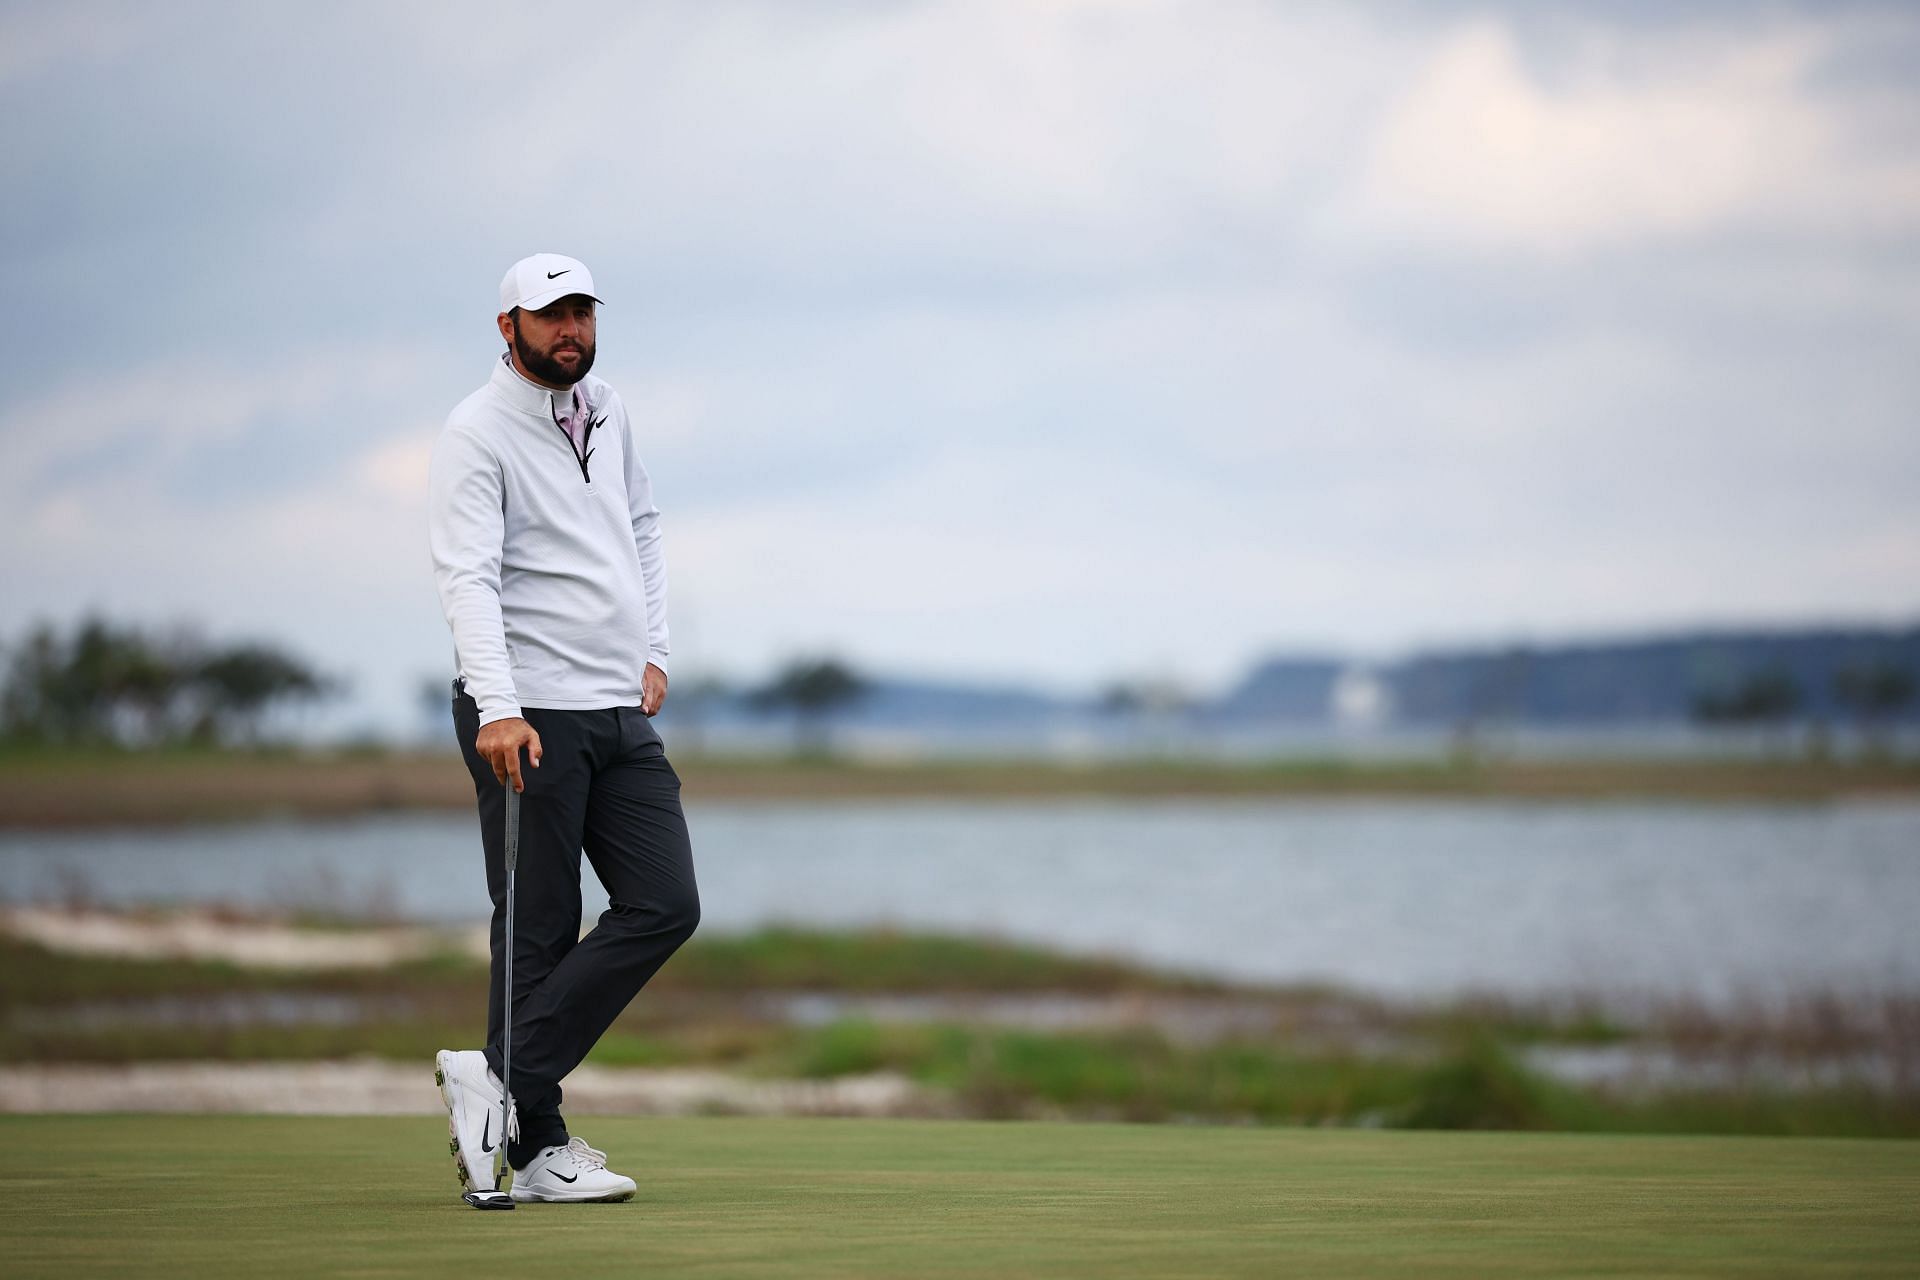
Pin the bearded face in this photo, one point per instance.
(556, 344)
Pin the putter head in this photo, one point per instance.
(488, 1199)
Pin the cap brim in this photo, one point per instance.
(540, 300)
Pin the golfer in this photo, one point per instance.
(546, 551)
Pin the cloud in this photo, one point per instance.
(999, 337)
(35, 39)
(397, 469)
(271, 498)
(911, 147)
(1625, 143)
(141, 424)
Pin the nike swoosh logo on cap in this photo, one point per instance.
(552, 274)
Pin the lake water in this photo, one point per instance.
(1405, 898)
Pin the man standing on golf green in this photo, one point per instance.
(546, 552)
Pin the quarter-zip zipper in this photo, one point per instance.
(581, 452)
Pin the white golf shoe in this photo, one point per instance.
(574, 1172)
(472, 1094)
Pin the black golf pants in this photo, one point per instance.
(603, 787)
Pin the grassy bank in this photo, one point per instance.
(75, 789)
(1005, 1031)
(223, 1196)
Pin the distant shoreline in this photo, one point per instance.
(79, 790)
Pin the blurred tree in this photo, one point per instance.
(105, 684)
(239, 684)
(109, 684)
(812, 689)
(1763, 700)
(1155, 697)
(26, 710)
(1875, 692)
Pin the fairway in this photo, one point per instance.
(249, 1195)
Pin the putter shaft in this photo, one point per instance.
(506, 1018)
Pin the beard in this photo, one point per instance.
(544, 367)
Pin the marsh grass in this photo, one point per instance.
(1456, 1067)
(887, 960)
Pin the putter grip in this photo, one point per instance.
(513, 826)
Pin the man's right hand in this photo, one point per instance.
(499, 745)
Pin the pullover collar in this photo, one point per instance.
(531, 397)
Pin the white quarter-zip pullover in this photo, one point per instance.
(546, 551)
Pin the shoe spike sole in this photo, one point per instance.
(478, 1199)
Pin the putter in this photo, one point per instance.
(498, 1199)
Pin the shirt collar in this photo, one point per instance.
(525, 394)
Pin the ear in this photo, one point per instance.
(505, 321)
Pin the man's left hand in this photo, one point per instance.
(653, 689)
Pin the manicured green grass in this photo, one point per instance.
(248, 1196)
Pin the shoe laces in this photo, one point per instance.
(513, 1106)
(585, 1154)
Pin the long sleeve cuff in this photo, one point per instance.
(503, 711)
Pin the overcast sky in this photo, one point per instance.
(1011, 342)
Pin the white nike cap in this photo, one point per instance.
(532, 283)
